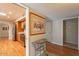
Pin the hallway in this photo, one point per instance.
(11, 48)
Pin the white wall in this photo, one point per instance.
(10, 24)
(11, 31)
(57, 32)
(49, 31)
(3, 33)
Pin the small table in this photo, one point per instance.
(40, 47)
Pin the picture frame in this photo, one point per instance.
(37, 24)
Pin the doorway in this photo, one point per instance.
(70, 33)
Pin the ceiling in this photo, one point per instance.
(10, 11)
(55, 11)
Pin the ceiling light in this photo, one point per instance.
(3, 14)
(10, 12)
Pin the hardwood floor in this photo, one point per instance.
(11, 48)
(57, 50)
(70, 45)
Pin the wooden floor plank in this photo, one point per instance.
(11, 48)
(61, 50)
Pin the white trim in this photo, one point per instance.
(27, 32)
(70, 17)
(19, 18)
(78, 32)
(22, 16)
(26, 7)
(21, 5)
(57, 43)
(27, 27)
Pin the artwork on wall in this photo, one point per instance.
(37, 24)
(5, 28)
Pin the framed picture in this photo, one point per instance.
(37, 24)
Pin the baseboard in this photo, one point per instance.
(57, 43)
